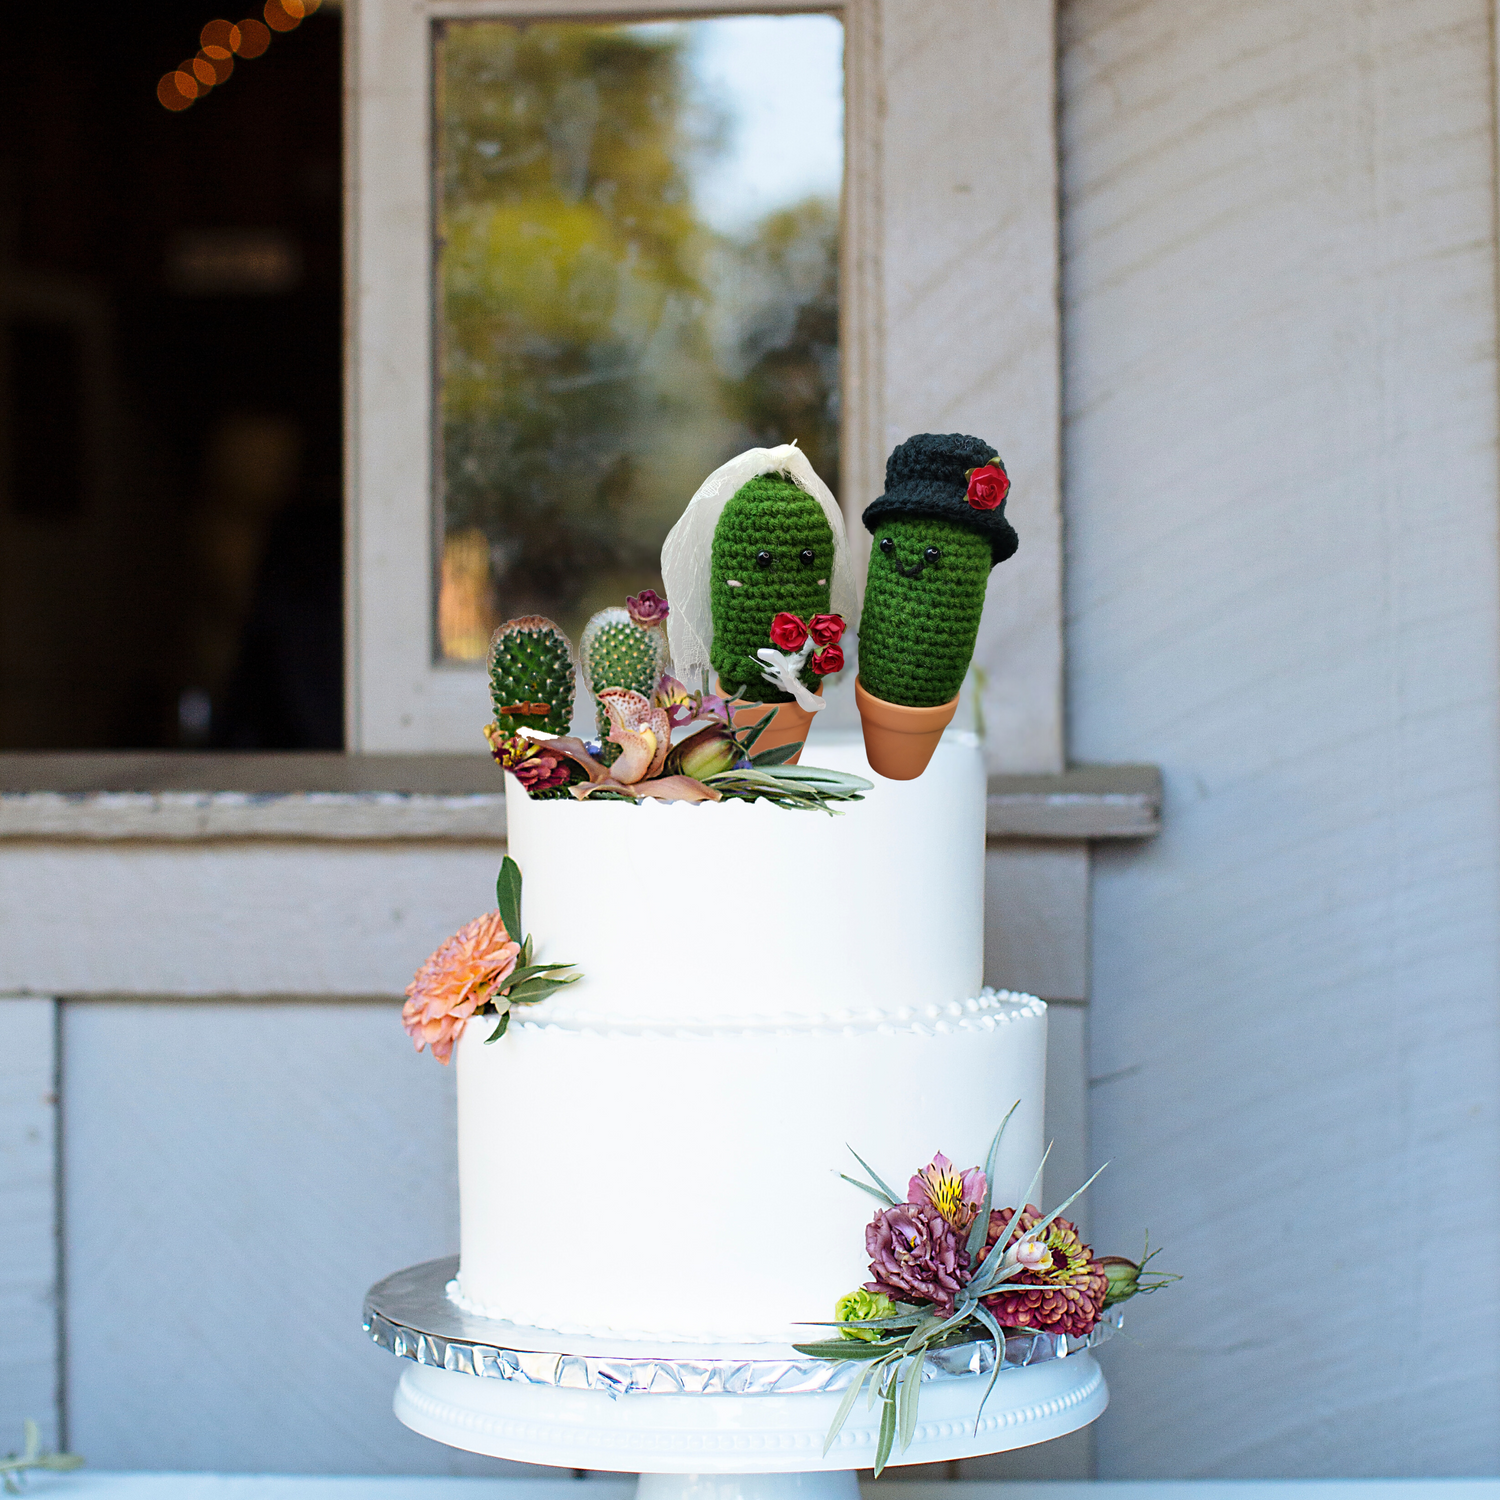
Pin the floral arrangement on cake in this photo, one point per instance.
(946, 1267)
(640, 706)
(482, 970)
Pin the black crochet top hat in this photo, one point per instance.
(928, 475)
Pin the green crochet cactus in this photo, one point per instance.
(923, 598)
(772, 551)
(531, 675)
(617, 652)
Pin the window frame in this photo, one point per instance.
(910, 83)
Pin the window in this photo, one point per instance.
(947, 292)
(636, 265)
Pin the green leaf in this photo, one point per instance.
(894, 1200)
(508, 896)
(530, 971)
(865, 1187)
(500, 1030)
(845, 1407)
(859, 1349)
(778, 755)
(748, 743)
(887, 1432)
(988, 1319)
(1066, 1202)
(909, 1386)
(991, 1263)
(538, 989)
(981, 1224)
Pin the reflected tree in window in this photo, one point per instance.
(602, 345)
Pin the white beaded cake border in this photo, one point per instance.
(985, 1012)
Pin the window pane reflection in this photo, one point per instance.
(637, 277)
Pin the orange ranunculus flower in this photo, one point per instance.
(456, 981)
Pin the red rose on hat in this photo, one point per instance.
(988, 486)
(829, 659)
(788, 632)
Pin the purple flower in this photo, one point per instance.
(916, 1255)
(647, 608)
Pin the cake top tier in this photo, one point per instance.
(717, 913)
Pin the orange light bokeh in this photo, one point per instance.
(219, 60)
(254, 37)
(220, 34)
(283, 15)
(171, 94)
(203, 70)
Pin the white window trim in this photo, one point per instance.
(949, 323)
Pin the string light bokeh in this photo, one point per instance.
(220, 42)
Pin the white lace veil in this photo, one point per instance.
(687, 552)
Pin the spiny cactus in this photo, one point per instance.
(531, 676)
(619, 652)
(772, 551)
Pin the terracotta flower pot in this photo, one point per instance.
(899, 741)
(789, 723)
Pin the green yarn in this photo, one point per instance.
(531, 661)
(618, 653)
(768, 515)
(917, 634)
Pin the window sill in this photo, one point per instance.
(187, 796)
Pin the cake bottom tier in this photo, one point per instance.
(682, 1184)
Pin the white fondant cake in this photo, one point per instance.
(655, 1152)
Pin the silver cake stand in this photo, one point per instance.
(704, 1421)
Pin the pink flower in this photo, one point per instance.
(826, 630)
(508, 749)
(642, 731)
(829, 659)
(988, 486)
(916, 1256)
(681, 706)
(958, 1197)
(540, 771)
(788, 632)
(647, 608)
(460, 977)
(710, 706)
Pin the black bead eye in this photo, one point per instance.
(808, 556)
(932, 554)
(887, 545)
(763, 559)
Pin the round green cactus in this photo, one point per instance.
(531, 676)
(618, 652)
(923, 599)
(772, 551)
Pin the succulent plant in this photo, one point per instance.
(618, 651)
(938, 530)
(531, 676)
(772, 554)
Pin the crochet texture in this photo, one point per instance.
(759, 543)
(917, 633)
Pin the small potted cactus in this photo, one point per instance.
(624, 648)
(757, 571)
(531, 676)
(938, 530)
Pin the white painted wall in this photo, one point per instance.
(1280, 412)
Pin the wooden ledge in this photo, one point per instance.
(186, 796)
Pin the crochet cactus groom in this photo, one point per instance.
(938, 530)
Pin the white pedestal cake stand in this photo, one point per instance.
(704, 1421)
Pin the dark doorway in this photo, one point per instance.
(170, 368)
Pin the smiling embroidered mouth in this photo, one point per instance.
(912, 572)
